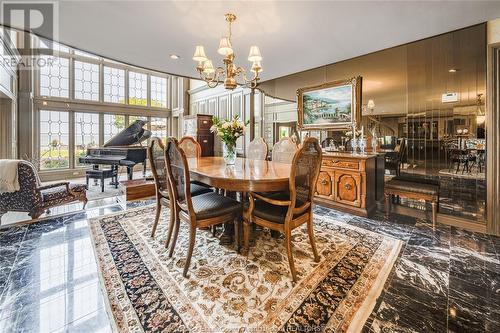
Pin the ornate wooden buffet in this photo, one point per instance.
(351, 183)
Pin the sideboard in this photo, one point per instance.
(350, 182)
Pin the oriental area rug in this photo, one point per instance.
(230, 292)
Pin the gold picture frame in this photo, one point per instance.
(330, 106)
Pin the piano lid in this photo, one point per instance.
(130, 135)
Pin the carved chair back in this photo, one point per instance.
(178, 175)
(156, 155)
(304, 174)
(257, 149)
(284, 150)
(190, 146)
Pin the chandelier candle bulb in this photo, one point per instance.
(256, 67)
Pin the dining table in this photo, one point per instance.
(244, 176)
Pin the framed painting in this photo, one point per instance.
(330, 106)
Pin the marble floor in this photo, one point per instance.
(443, 281)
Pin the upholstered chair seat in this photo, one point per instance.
(53, 195)
(209, 205)
(271, 212)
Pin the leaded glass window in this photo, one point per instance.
(138, 89)
(158, 91)
(86, 81)
(86, 133)
(113, 124)
(114, 85)
(54, 76)
(159, 128)
(54, 140)
(131, 119)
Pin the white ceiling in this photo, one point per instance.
(292, 36)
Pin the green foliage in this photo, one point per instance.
(229, 130)
(137, 101)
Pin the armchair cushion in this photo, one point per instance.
(59, 193)
(212, 204)
(272, 212)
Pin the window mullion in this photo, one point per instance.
(71, 148)
(71, 78)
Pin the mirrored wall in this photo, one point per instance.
(424, 99)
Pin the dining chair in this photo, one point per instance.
(192, 149)
(199, 211)
(257, 149)
(284, 150)
(190, 146)
(286, 211)
(156, 154)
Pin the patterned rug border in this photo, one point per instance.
(359, 317)
(99, 261)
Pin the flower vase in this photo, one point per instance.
(229, 153)
(374, 144)
(354, 145)
(362, 145)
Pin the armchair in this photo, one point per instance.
(34, 198)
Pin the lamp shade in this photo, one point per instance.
(208, 67)
(256, 67)
(371, 104)
(199, 54)
(254, 54)
(225, 47)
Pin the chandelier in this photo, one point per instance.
(212, 76)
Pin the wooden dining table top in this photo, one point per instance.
(246, 175)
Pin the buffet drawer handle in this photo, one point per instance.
(324, 182)
(205, 141)
(205, 121)
(347, 186)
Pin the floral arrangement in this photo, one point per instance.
(229, 130)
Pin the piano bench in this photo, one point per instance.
(102, 175)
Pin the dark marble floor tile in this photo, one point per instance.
(398, 313)
(464, 318)
(420, 282)
(12, 235)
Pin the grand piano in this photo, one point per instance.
(121, 150)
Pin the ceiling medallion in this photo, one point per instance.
(212, 76)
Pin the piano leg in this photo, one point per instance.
(95, 167)
(114, 180)
(130, 172)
